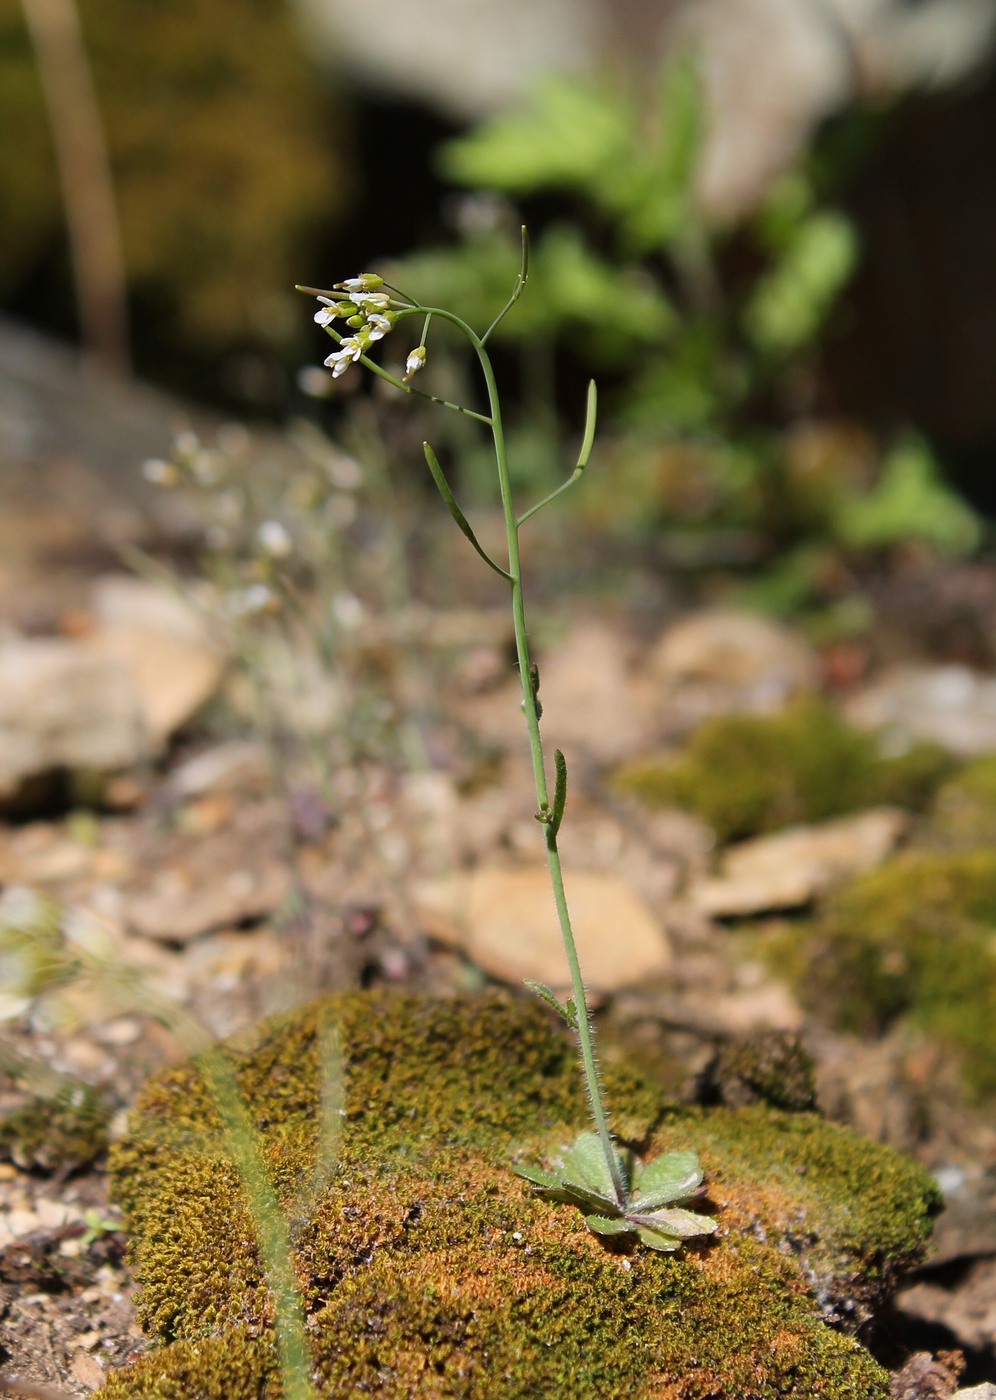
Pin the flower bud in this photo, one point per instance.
(366, 282)
(415, 362)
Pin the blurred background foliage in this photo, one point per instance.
(706, 336)
(227, 155)
(245, 158)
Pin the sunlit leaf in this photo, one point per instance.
(584, 1164)
(667, 1178)
(608, 1225)
(683, 1224)
(548, 1181)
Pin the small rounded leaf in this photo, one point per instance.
(671, 1177)
(608, 1225)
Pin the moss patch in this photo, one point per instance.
(963, 814)
(914, 939)
(746, 774)
(58, 1134)
(770, 1067)
(428, 1268)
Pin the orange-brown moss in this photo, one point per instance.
(428, 1269)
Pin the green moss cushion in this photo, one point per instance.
(746, 774)
(913, 940)
(428, 1269)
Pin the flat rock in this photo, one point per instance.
(506, 923)
(108, 700)
(967, 1227)
(788, 869)
(164, 646)
(950, 705)
(768, 1006)
(195, 885)
(596, 701)
(725, 661)
(62, 705)
(925, 1377)
(967, 1310)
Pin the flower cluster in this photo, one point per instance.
(366, 310)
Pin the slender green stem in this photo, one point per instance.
(419, 393)
(517, 290)
(549, 816)
(529, 705)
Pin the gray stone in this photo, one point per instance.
(950, 705)
(64, 706)
(788, 869)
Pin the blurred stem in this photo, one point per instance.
(244, 1148)
(85, 179)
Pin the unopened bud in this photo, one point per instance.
(366, 282)
(415, 362)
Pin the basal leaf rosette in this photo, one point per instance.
(654, 1206)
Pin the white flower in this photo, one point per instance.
(348, 611)
(248, 602)
(325, 316)
(380, 301)
(415, 361)
(274, 540)
(349, 351)
(378, 326)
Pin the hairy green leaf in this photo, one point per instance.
(683, 1224)
(584, 1165)
(548, 1181)
(567, 1013)
(608, 1225)
(669, 1178)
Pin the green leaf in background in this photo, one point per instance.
(591, 137)
(909, 501)
(571, 288)
(790, 303)
(570, 136)
(656, 207)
